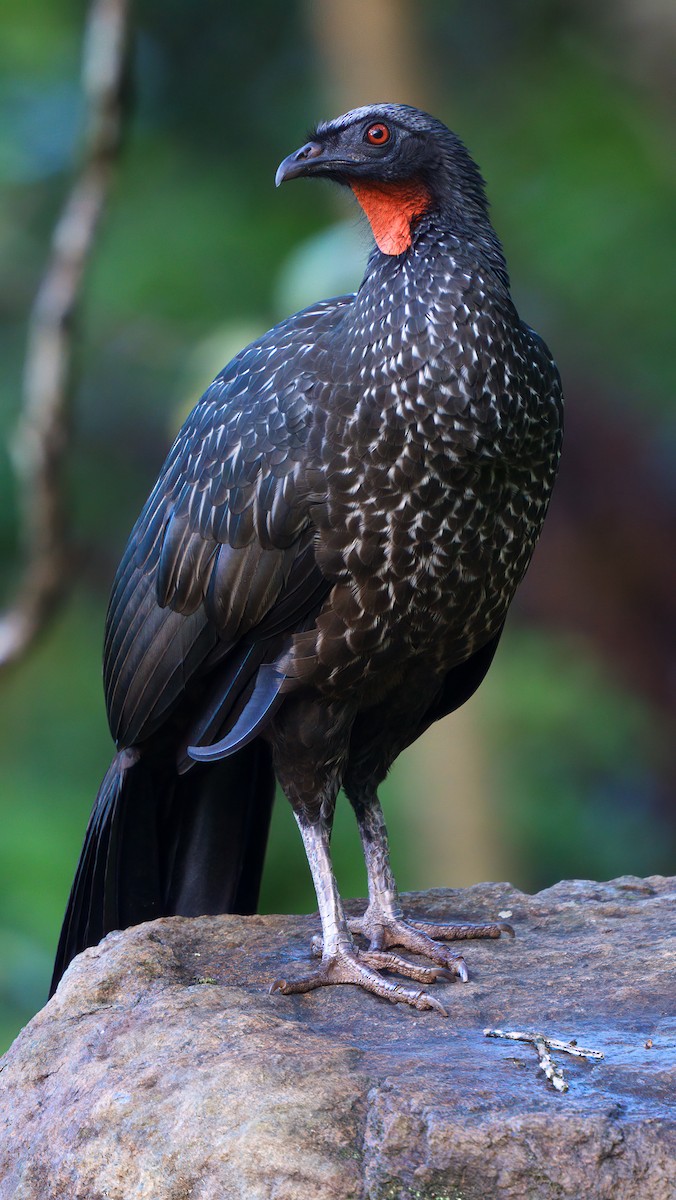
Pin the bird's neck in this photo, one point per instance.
(393, 211)
(398, 214)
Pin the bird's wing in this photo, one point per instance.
(222, 555)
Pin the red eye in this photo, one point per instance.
(377, 135)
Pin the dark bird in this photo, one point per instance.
(324, 567)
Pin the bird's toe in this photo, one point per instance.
(363, 969)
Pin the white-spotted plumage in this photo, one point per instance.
(326, 561)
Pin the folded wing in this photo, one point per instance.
(219, 570)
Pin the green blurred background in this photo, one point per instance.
(562, 764)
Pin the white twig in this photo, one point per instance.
(545, 1062)
(543, 1045)
(574, 1049)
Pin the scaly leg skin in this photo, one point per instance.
(383, 923)
(342, 961)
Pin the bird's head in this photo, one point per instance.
(400, 163)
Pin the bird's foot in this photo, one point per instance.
(383, 930)
(363, 967)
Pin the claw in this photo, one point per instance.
(444, 973)
(435, 1005)
(424, 1002)
(317, 945)
(461, 970)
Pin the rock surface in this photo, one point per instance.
(162, 1069)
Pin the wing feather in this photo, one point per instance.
(223, 550)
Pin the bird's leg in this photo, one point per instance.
(341, 961)
(383, 923)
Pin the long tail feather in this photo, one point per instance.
(160, 844)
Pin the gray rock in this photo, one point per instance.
(162, 1069)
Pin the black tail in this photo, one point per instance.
(162, 844)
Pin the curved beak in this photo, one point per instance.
(298, 163)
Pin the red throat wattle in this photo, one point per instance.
(392, 209)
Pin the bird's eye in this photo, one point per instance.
(378, 134)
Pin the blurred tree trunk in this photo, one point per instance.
(448, 777)
(369, 51)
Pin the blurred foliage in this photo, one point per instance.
(577, 758)
(198, 255)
